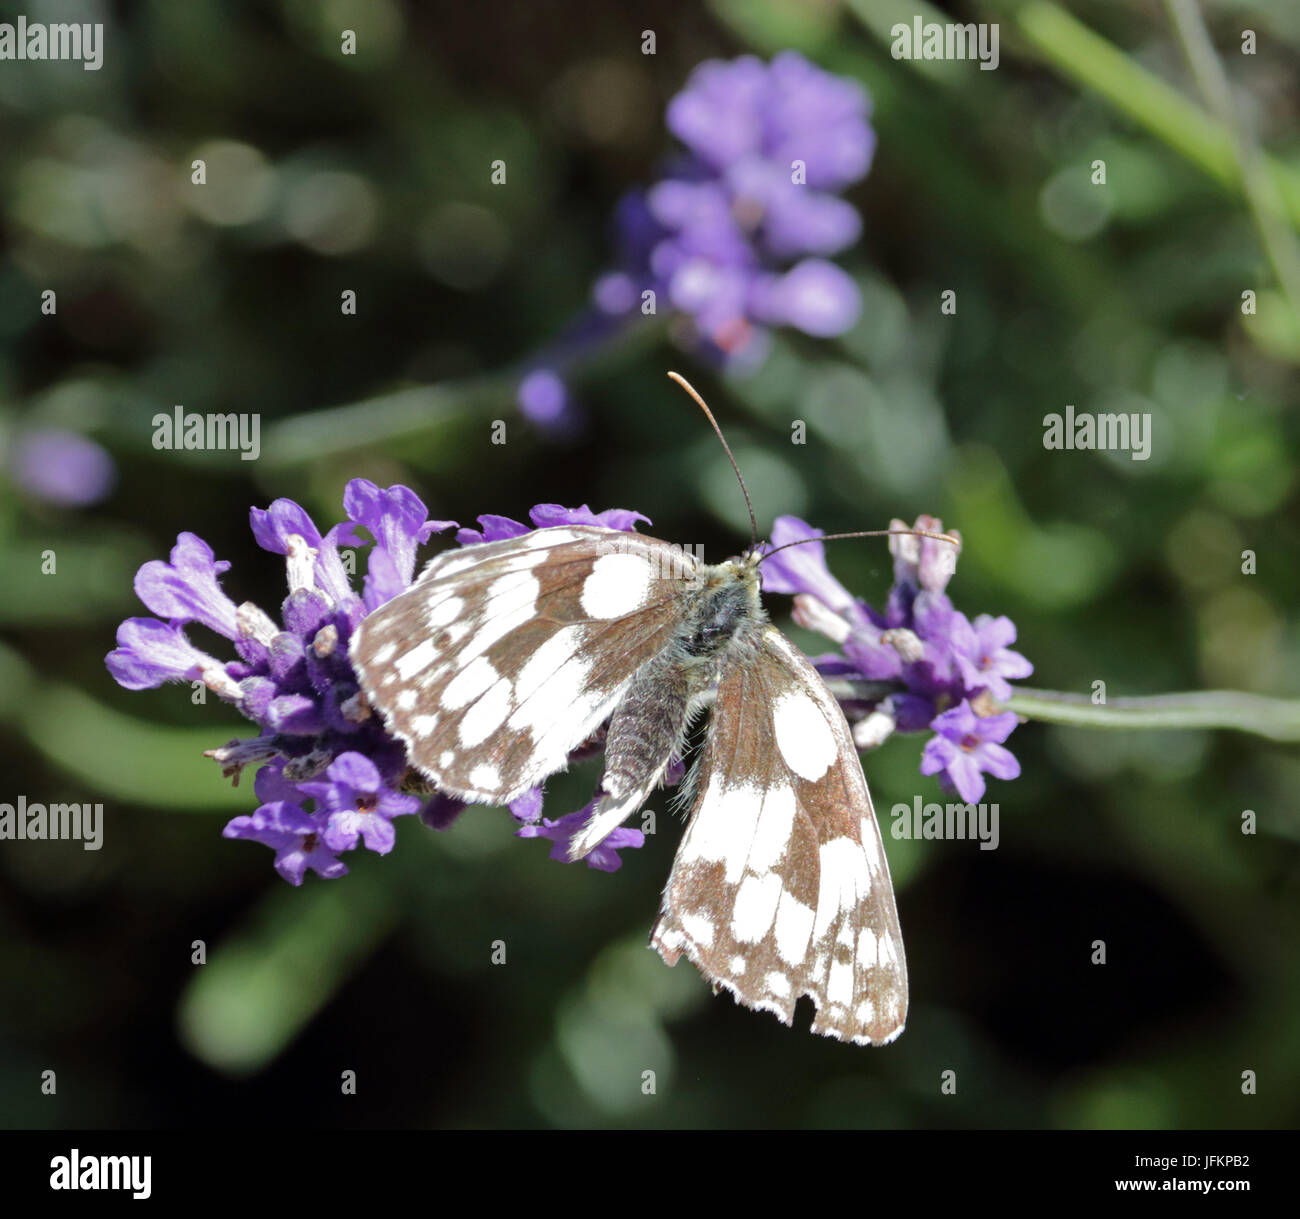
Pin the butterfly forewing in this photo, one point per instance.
(504, 657)
(780, 887)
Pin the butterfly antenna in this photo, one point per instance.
(869, 533)
(726, 448)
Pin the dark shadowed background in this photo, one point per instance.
(371, 173)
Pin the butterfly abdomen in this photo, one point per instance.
(649, 726)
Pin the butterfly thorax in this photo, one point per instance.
(721, 619)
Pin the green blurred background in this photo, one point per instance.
(371, 173)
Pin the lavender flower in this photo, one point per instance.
(736, 236)
(967, 744)
(61, 467)
(544, 516)
(738, 232)
(329, 776)
(604, 857)
(935, 668)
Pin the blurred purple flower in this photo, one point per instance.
(61, 467)
(939, 670)
(735, 237)
(318, 742)
(737, 233)
(543, 398)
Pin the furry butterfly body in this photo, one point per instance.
(504, 657)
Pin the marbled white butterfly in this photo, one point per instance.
(505, 657)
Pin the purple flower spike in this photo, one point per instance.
(604, 858)
(358, 804)
(318, 743)
(736, 233)
(968, 745)
(917, 656)
(61, 467)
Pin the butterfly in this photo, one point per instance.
(504, 657)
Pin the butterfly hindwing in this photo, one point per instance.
(780, 887)
(505, 656)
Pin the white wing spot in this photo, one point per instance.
(405, 700)
(446, 759)
(486, 715)
(843, 883)
(794, 924)
(459, 563)
(723, 829)
(699, 927)
(422, 725)
(384, 654)
(867, 946)
(503, 621)
(755, 907)
(544, 538)
(523, 561)
(418, 658)
(521, 587)
(738, 964)
(618, 585)
(871, 843)
(554, 741)
(473, 680)
(485, 776)
(840, 987)
(803, 736)
(778, 984)
(444, 612)
(548, 663)
(550, 695)
(772, 833)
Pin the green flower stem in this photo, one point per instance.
(1077, 52)
(419, 410)
(1275, 718)
(1259, 185)
(314, 435)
